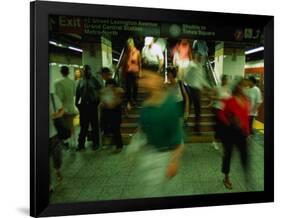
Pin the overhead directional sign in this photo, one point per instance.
(115, 28)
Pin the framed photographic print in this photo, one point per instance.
(141, 109)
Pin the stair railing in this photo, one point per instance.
(212, 74)
(117, 74)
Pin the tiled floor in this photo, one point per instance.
(103, 175)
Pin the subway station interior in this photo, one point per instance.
(104, 174)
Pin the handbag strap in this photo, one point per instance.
(53, 102)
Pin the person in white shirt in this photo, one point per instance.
(193, 77)
(65, 90)
(254, 95)
(152, 56)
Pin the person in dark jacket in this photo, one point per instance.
(87, 101)
(111, 100)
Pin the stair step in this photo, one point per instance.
(204, 137)
(130, 122)
(204, 104)
(132, 129)
(142, 96)
(133, 125)
(134, 118)
(204, 110)
(191, 115)
(203, 134)
(203, 119)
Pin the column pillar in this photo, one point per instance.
(97, 53)
(229, 60)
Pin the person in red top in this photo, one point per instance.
(182, 55)
(234, 117)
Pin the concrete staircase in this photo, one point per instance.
(130, 122)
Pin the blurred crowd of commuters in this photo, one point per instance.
(164, 112)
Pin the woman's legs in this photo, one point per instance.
(55, 151)
(244, 157)
(129, 86)
(228, 147)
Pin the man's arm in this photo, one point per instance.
(78, 93)
(173, 165)
(59, 113)
(59, 90)
(258, 99)
(222, 113)
(203, 81)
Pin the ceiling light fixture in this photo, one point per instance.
(254, 50)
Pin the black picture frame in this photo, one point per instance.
(39, 91)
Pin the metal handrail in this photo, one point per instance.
(212, 73)
(116, 76)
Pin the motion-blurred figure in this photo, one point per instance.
(87, 101)
(234, 117)
(131, 67)
(65, 90)
(200, 49)
(195, 84)
(176, 88)
(218, 95)
(254, 95)
(160, 123)
(152, 56)
(182, 56)
(111, 115)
